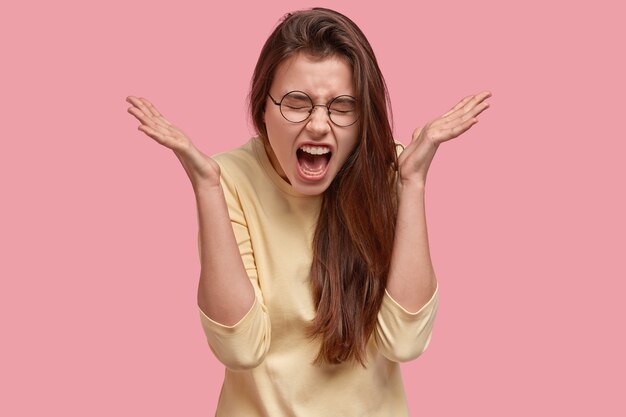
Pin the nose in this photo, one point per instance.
(319, 121)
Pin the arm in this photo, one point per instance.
(236, 325)
(409, 307)
(243, 344)
(225, 293)
(412, 278)
(403, 331)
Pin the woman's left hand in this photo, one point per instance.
(414, 161)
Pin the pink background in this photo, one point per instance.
(98, 226)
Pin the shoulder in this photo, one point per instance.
(243, 172)
(237, 159)
(240, 164)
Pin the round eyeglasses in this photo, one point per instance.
(297, 106)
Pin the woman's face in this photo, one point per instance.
(308, 155)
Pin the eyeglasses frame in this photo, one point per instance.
(279, 104)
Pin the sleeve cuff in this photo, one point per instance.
(214, 327)
(398, 309)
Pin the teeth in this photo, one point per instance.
(315, 150)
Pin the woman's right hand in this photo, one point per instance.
(201, 169)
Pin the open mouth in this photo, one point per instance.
(313, 160)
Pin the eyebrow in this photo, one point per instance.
(345, 97)
(298, 92)
(348, 97)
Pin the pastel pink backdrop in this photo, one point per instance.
(98, 226)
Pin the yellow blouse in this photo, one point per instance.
(267, 354)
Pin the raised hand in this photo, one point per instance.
(414, 161)
(200, 168)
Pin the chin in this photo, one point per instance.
(310, 189)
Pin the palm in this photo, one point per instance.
(199, 167)
(156, 126)
(416, 158)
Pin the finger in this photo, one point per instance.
(480, 96)
(453, 130)
(141, 116)
(479, 109)
(162, 121)
(154, 134)
(149, 131)
(146, 116)
(469, 106)
(158, 116)
(147, 120)
(135, 101)
(458, 106)
(150, 106)
(141, 106)
(477, 99)
(149, 110)
(472, 113)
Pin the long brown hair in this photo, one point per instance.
(356, 225)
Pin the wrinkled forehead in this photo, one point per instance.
(314, 56)
(318, 76)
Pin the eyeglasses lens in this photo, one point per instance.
(297, 107)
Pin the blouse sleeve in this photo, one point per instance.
(402, 336)
(244, 344)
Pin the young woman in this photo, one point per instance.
(316, 278)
